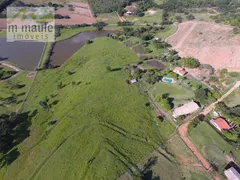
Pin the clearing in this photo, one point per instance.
(210, 43)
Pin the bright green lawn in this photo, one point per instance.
(7, 91)
(207, 139)
(179, 93)
(169, 30)
(147, 18)
(103, 125)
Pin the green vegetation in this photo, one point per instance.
(105, 6)
(6, 72)
(178, 94)
(212, 145)
(186, 159)
(13, 92)
(228, 11)
(88, 117)
(4, 4)
(190, 62)
(69, 32)
(99, 25)
(232, 114)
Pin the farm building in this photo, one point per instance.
(180, 71)
(221, 124)
(129, 9)
(232, 174)
(186, 109)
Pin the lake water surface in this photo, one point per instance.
(63, 50)
(156, 64)
(25, 54)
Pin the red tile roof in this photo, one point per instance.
(130, 8)
(222, 124)
(180, 70)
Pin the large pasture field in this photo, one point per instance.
(210, 43)
(93, 124)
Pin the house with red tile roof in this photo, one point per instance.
(221, 124)
(130, 9)
(180, 71)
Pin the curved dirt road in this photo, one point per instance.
(183, 134)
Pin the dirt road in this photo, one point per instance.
(183, 134)
(212, 106)
(11, 67)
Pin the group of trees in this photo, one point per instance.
(4, 4)
(228, 10)
(6, 127)
(166, 102)
(190, 62)
(233, 115)
(160, 44)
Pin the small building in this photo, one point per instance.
(130, 9)
(133, 81)
(180, 71)
(221, 124)
(186, 109)
(232, 174)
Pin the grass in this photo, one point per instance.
(45, 55)
(102, 124)
(233, 99)
(179, 93)
(206, 138)
(7, 90)
(3, 33)
(147, 18)
(67, 33)
(168, 31)
(187, 160)
(110, 18)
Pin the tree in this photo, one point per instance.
(190, 62)
(5, 132)
(179, 19)
(190, 17)
(108, 68)
(100, 25)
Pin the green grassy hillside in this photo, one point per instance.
(93, 125)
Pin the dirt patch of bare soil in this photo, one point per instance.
(80, 15)
(210, 43)
(151, 12)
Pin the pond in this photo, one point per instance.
(154, 63)
(26, 55)
(64, 49)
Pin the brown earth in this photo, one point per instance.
(81, 14)
(210, 43)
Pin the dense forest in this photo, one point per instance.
(229, 9)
